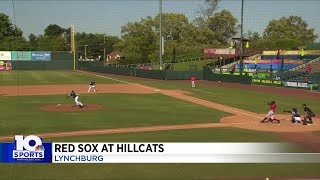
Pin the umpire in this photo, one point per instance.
(308, 115)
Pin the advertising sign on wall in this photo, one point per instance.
(267, 82)
(40, 56)
(5, 55)
(21, 56)
(295, 84)
(5, 66)
(219, 51)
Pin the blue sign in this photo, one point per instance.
(41, 56)
(28, 149)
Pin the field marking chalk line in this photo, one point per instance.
(106, 77)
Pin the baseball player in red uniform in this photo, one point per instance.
(193, 82)
(270, 116)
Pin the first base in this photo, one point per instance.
(58, 105)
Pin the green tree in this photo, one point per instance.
(95, 43)
(292, 27)
(7, 29)
(207, 10)
(139, 40)
(54, 30)
(33, 44)
(14, 44)
(224, 25)
(48, 43)
(10, 35)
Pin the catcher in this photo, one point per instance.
(75, 96)
(270, 116)
(295, 118)
(308, 115)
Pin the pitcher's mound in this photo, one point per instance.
(71, 108)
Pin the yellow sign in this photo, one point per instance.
(231, 44)
(266, 81)
(307, 52)
(247, 45)
(302, 52)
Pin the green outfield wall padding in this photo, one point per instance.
(59, 61)
(210, 76)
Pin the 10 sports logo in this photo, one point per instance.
(29, 147)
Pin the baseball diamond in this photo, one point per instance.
(136, 90)
(136, 101)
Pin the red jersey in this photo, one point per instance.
(193, 79)
(309, 68)
(273, 107)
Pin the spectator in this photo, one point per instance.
(233, 69)
(278, 53)
(309, 68)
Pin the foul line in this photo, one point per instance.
(132, 130)
(206, 91)
(83, 72)
(230, 109)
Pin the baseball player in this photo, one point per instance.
(193, 82)
(295, 118)
(270, 116)
(308, 115)
(92, 85)
(76, 96)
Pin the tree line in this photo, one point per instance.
(139, 41)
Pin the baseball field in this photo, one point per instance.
(126, 109)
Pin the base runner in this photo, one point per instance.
(76, 97)
(270, 116)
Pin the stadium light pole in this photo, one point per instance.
(85, 52)
(160, 32)
(104, 47)
(241, 43)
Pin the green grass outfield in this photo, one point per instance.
(21, 115)
(39, 77)
(163, 171)
(249, 100)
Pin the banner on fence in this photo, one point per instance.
(21, 55)
(273, 61)
(41, 56)
(219, 51)
(296, 52)
(5, 66)
(295, 84)
(5, 55)
(267, 82)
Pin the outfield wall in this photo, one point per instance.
(205, 74)
(153, 74)
(211, 76)
(28, 60)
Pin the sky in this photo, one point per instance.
(107, 16)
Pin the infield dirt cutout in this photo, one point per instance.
(240, 119)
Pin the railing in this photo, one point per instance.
(302, 66)
(156, 65)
